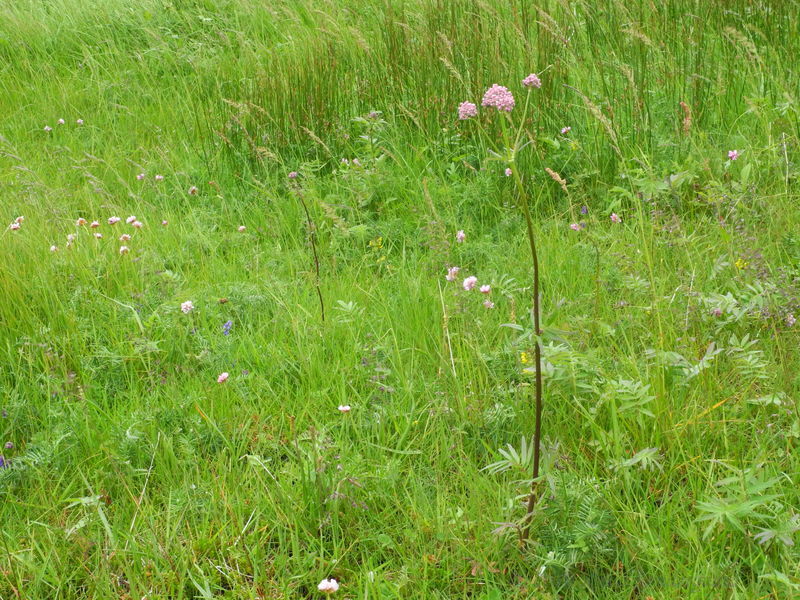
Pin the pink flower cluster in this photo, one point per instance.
(499, 97)
(467, 110)
(532, 80)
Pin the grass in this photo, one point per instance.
(670, 366)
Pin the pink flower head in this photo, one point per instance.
(165, 223)
(566, 130)
(242, 229)
(615, 218)
(48, 128)
(470, 283)
(328, 586)
(140, 176)
(508, 172)
(130, 219)
(467, 110)
(532, 80)
(460, 236)
(485, 289)
(19, 220)
(499, 97)
(223, 377)
(193, 190)
(95, 224)
(716, 312)
(790, 320)
(187, 307)
(452, 273)
(53, 248)
(159, 178)
(124, 249)
(61, 121)
(79, 121)
(575, 227)
(70, 238)
(14, 226)
(125, 237)
(137, 224)
(113, 220)
(344, 408)
(293, 174)
(733, 154)
(356, 162)
(488, 303)
(98, 235)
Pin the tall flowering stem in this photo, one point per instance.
(500, 98)
(312, 237)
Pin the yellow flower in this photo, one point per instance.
(524, 358)
(740, 264)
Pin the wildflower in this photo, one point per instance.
(9, 445)
(187, 307)
(125, 237)
(140, 176)
(532, 80)
(54, 248)
(293, 174)
(584, 210)
(344, 161)
(223, 377)
(14, 226)
(137, 224)
(615, 218)
(95, 224)
(575, 227)
(508, 171)
(467, 110)
(328, 586)
(124, 249)
(3, 463)
(226, 327)
(79, 121)
(19, 220)
(159, 178)
(242, 229)
(452, 273)
(565, 130)
(488, 303)
(740, 263)
(356, 162)
(193, 190)
(61, 121)
(70, 238)
(130, 219)
(733, 154)
(48, 128)
(485, 289)
(98, 235)
(524, 358)
(164, 223)
(470, 282)
(344, 408)
(460, 236)
(499, 97)
(113, 220)
(790, 320)
(716, 312)
(80, 222)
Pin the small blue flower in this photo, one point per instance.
(226, 327)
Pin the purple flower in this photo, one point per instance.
(508, 172)
(226, 327)
(733, 154)
(532, 80)
(9, 445)
(292, 174)
(584, 210)
(565, 130)
(499, 97)
(467, 110)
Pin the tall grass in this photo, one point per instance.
(669, 354)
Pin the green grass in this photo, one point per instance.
(671, 424)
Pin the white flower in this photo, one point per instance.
(470, 282)
(328, 586)
(344, 408)
(124, 249)
(53, 248)
(187, 307)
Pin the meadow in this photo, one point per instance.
(241, 354)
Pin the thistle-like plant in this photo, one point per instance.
(500, 100)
